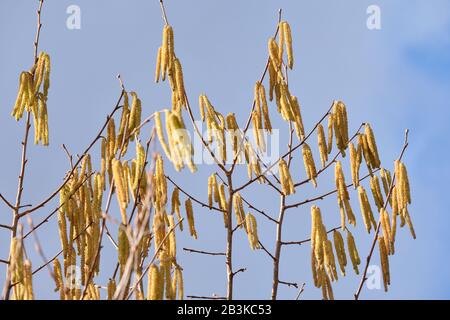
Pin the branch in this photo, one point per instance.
(375, 239)
(302, 288)
(7, 202)
(289, 284)
(265, 250)
(204, 252)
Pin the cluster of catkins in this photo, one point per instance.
(32, 97)
(179, 149)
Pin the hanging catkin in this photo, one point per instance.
(285, 178)
(239, 209)
(353, 252)
(310, 166)
(322, 144)
(288, 40)
(175, 201)
(155, 290)
(376, 192)
(372, 146)
(343, 196)
(252, 231)
(190, 218)
(355, 162)
(384, 262)
(340, 250)
(121, 188)
(366, 210)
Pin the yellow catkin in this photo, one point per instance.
(178, 283)
(343, 196)
(119, 182)
(252, 231)
(59, 282)
(372, 145)
(285, 178)
(273, 53)
(340, 250)
(330, 133)
(28, 280)
(272, 81)
(111, 288)
(175, 201)
(376, 192)
(355, 162)
(310, 166)
(155, 289)
(340, 125)
(239, 209)
(330, 263)
(158, 65)
(386, 180)
(318, 234)
(172, 239)
(322, 144)
(190, 218)
(409, 222)
(123, 246)
(353, 252)
(265, 109)
(223, 204)
(160, 134)
(134, 121)
(366, 210)
(180, 81)
(288, 41)
(384, 262)
(362, 141)
(165, 52)
(386, 228)
(281, 40)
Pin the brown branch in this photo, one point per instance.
(204, 252)
(302, 288)
(4, 226)
(239, 270)
(265, 250)
(4, 261)
(8, 284)
(289, 284)
(11, 206)
(375, 239)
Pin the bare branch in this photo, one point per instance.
(204, 252)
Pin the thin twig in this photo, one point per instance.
(204, 252)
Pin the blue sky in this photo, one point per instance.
(395, 78)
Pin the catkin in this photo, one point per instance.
(330, 263)
(366, 210)
(121, 187)
(190, 218)
(386, 228)
(376, 192)
(343, 196)
(322, 144)
(372, 146)
(340, 250)
(386, 180)
(239, 209)
(353, 252)
(384, 262)
(310, 166)
(252, 231)
(175, 201)
(273, 53)
(158, 65)
(285, 178)
(155, 290)
(355, 162)
(288, 40)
